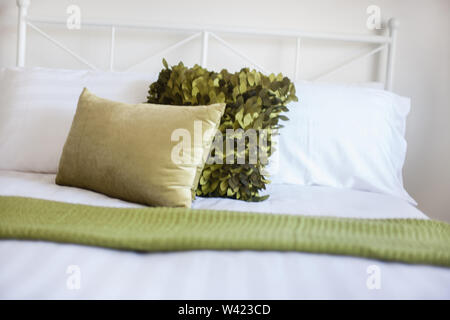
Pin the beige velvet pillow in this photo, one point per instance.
(142, 153)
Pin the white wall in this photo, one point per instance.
(422, 66)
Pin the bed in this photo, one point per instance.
(43, 270)
(36, 270)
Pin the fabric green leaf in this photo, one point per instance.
(247, 120)
(165, 63)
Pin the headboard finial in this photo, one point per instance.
(393, 23)
(23, 3)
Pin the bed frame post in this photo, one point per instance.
(21, 32)
(205, 36)
(393, 26)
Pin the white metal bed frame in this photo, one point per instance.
(205, 33)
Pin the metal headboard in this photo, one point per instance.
(206, 32)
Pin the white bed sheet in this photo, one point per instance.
(33, 269)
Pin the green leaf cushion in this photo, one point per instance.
(253, 101)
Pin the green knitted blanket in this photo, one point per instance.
(172, 229)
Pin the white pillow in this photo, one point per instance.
(37, 107)
(343, 136)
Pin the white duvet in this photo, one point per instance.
(31, 269)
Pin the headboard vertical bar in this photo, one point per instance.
(22, 32)
(111, 52)
(297, 58)
(205, 48)
(393, 26)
